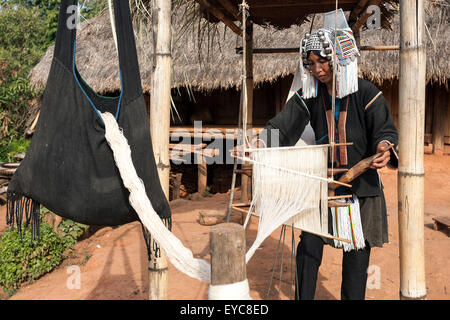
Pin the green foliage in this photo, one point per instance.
(24, 261)
(10, 147)
(71, 231)
(207, 193)
(22, 44)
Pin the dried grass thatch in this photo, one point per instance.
(204, 58)
(384, 65)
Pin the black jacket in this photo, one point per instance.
(364, 120)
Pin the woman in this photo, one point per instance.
(362, 117)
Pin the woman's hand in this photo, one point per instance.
(382, 160)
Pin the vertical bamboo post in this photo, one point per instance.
(160, 126)
(227, 245)
(411, 145)
(248, 56)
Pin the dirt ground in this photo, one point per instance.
(113, 264)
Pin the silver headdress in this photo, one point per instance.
(328, 41)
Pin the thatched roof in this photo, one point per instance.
(216, 64)
(384, 66)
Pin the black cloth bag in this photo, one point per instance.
(69, 167)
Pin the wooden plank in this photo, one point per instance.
(442, 223)
(445, 221)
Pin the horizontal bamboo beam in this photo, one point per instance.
(297, 49)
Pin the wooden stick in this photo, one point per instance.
(326, 235)
(340, 197)
(412, 83)
(334, 204)
(378, 48)
(360, 167)
(300, 147)
(239, 209)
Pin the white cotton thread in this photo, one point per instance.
(234, 291)
(180, 256)
(344, 227)
(285, 196)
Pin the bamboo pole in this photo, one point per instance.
(411, 144)
(239, 50)
(160, 127)
(248, 54)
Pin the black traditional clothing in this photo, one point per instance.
(365, 121)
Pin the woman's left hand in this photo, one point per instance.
(382, 160)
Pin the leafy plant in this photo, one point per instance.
(24, 260)
(71, 231)
(207, 193)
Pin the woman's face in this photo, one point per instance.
(320, 68)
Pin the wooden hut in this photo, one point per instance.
(207, 74)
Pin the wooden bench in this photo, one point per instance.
(441, 223)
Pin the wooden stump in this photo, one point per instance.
(227, 243)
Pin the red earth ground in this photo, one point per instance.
(113, 261)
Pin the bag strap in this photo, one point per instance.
(128, 63)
